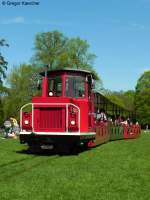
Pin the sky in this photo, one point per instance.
(118, 32)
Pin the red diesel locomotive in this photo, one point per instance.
(65, 115)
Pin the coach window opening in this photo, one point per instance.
(75, 87)
(55, 86)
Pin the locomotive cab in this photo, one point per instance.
(63, 114)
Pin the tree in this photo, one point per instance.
(3, 62)
(20, 91)
(49, 48)
(3, 68)
(58, 51)
(78, 54)
(128, 99)
(124, 99)
(115, 97)
(142, 98)
(3, 94)
(1, 112)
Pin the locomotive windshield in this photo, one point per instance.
(54, 86)
(75, 87)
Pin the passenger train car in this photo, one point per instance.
(65, 116)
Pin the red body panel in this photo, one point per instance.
(131, 131)
(49, 118)
(102, 134)
(81, 103)
(28, 117)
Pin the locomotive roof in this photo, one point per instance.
(49, 72)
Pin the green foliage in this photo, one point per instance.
(3, 68)
(78, 55)
(1, 112)
(20, 91)
(115, 171)
(58, 51)
(142, 98)
(50, 47)
(124, 99)
(98, 86)
(113, 96)
(3, 62)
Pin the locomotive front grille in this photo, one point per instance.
(52, 119)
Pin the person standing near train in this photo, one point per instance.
(15, 127)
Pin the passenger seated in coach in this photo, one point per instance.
(101, 116)
(118, 120)
(110, 119)
(113, 119)
(124, 122)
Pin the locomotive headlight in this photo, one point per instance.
(50, 94)
(73, 122)
(26, 122)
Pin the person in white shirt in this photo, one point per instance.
(101, 116)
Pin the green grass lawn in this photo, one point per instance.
(118, 170)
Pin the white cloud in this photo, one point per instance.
(22, 20)
(19, 20)
(48, 22)
(137, 26)
(15, 20)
